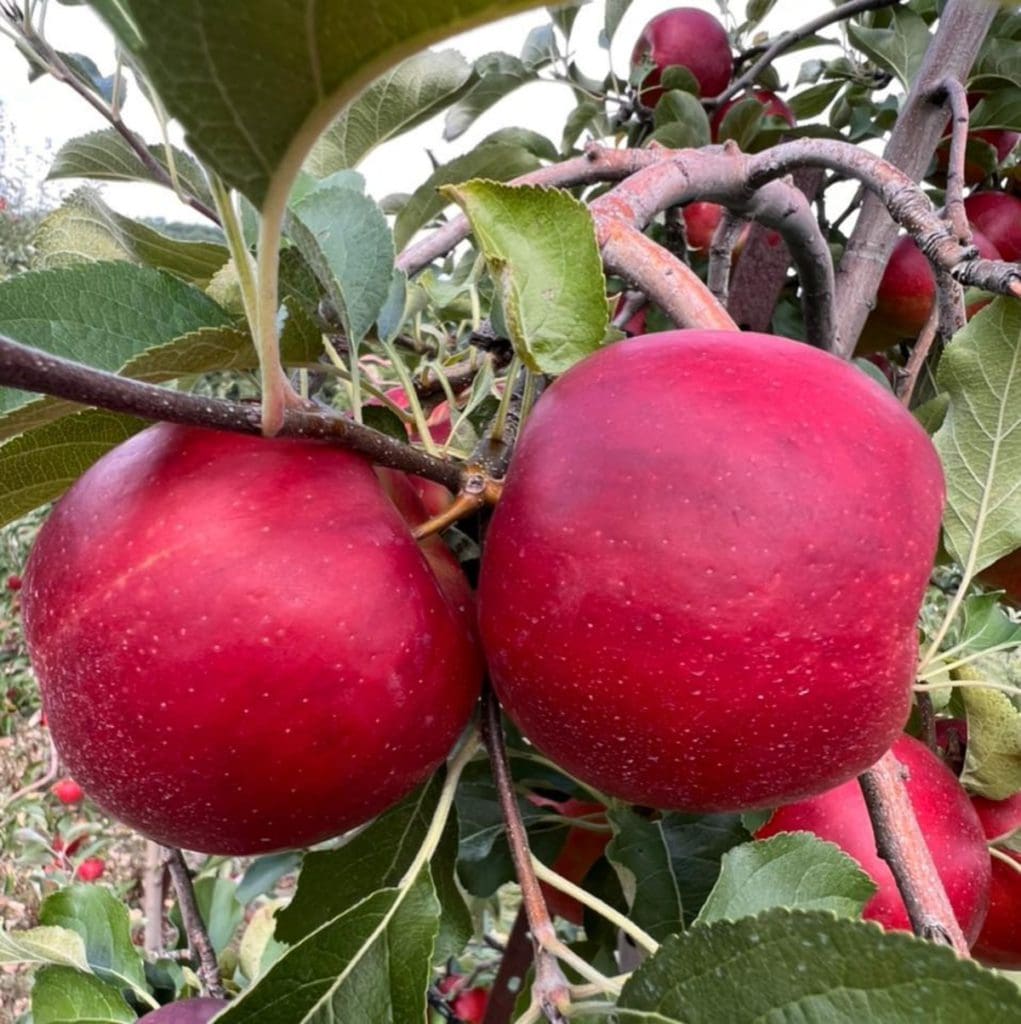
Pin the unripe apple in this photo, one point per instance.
(700, 588)
(998, 216)
(67, 791)
(688, 37)
(772, 106)
(90, 869)
(187, 1011)
(999, 942)
(948, 823)
(240, 646)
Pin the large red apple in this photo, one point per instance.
(772, 106)
(187, 1011)
(687, 37)
(700, 588)
(240, 646)
(999, 942)
(998, 216)
(948, 822)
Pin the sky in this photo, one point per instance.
(44, 114)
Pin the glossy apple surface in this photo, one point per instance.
(240, 646)
(187, 1011)
(998, 216)
(948, 822)
(772, 106)
(999, 942)
(688, 37)
(700, 587)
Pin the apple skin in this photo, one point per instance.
(772, 106)
(689, 37)
(187, 1011)
(998, 216)
(700, 587)
(999, 942)
(240, 646)
(948, 822)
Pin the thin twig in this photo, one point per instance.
(153, 895)
(900, 843)
(907, 378)
(40, 783)
(194, 926)
(953, 94)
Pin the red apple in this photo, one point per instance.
(187, 1011)
(14, 583)
(688, 37)
(999, 942)
(240, 646)
(948, 822)
(90, 869)
(468, 1005)
(1001, 141)
(67, 791)
(581, 849)
(635, 323)
(720, 613)
(998, 216)
(772, 106)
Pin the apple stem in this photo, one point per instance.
(33, 370)
(198, 938)
(1004, 858)
(900, 843)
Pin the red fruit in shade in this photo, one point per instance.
(948, 822)
(732, 624)
(998, 216)
(772, 106)
(688, 37)
(999, 942)
(67, 791)
(241, 648)
(470, 1006)
(14, 583)
(187, 1011)
(90, 869)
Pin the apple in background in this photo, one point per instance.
(948, 821)
(907, 292)
(67, 791)
(772, 106)
(14, 583)
(1001, 140)
(90, 869)
(999, 942)
(730, 625)
(187, 1011)
(240, 646)
(998, 216)
(635, 324)
(467, 1004)
(688, 37)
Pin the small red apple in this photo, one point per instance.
(948, 822)
(90, 869)
(688, 37)
(999, 942)
(240, 646)
(14, 583)
(187, 1011)
(468, 1005)
(772, 106)
(730, 624)
(67, 791)
(998, 216)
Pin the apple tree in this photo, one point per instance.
(582, 588)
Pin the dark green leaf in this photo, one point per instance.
(615, 11)
(499, 75)
(898, 49)
(264, 873)
(61, 995)
(684, 117)
(813, 101)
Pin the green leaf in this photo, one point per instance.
(813, 101)
(541, 248)
(794, 870)
(756, 10)
(999, 62)
(346, 240)
(1000, 109)
(61, 995)
(264, 872)
(898, 49)
(102, 922)
(615, 11)
(404, 97)
(563, 17)
(219, 908)
(790, 967)
(742, 122)
(371, 964)
(492, 160)
(85, 230)
(40, 464)
(980, 439)
(499, 74)
(992, 762)
(255, 84)
(105, 156)
(668, 866)
(686, 119)
(103, 314)
(58, 946)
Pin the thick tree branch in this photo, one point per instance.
(198, 938)
(900, 843)
(33, 370)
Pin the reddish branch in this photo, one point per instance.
(900, 843)
(198, 938)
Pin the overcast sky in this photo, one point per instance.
(44, 114)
